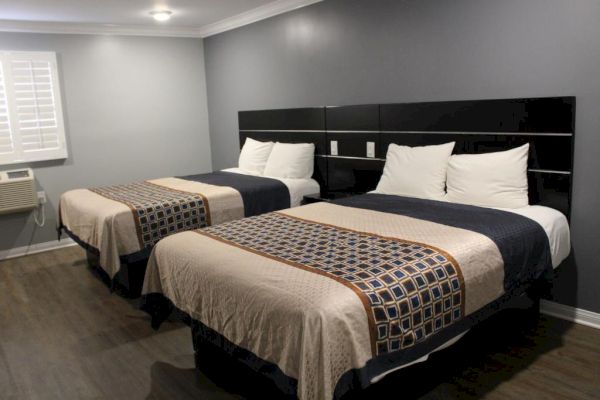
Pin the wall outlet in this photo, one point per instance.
(371, 149)
(333, 148)
(41, 197)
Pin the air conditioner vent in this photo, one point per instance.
(17, 191)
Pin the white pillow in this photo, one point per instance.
(254, 156)
(291, 160)
(489, 180)
(415, 171)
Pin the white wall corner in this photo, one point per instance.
(577, 315)
(36, 248)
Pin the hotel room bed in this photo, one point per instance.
(329, 297)
(120, 224)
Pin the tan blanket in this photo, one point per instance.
(98, 219)
(322, 289)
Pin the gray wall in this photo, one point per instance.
(358, 51)
(134, 108)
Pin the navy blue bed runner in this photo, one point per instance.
(259, 194)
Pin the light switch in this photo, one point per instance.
(334, 149)
(371, 149)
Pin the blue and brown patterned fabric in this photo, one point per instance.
(159, 211)
(409, 290)
(523, 259)
(121, 224)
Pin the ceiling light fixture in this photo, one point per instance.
(162, 15)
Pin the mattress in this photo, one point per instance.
(333, 296)
(122, 223)
(554, 223)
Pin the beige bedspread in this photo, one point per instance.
(315, 289)
(109, 226)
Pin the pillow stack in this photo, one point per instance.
(277, 160)
(430, 172)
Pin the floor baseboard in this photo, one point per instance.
(36, 248)
(577, 315)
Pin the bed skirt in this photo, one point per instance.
(160, 309)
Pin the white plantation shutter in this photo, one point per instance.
(6, 143)
(34, 112)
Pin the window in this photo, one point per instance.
(31, 120)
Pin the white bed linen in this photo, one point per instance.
(298, 187)
(555, 225)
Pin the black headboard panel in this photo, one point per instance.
(351, 128)
(300, 119)
(293, 125)
(477, 126)
(480, 126)
(545, 114)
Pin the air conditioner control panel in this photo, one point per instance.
(16, 175)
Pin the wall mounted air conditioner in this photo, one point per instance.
(17, 191)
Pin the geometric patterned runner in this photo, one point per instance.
(159, 211)
(409, 290)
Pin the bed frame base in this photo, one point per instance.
(129, 280)
(213, 350)
(210, 345)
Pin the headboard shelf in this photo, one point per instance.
(349, 131)
(285, 130)
(464, 132)
(536, 170)
(352, 157)
(549, 171)
(477, 126)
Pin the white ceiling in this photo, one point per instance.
(190, 17)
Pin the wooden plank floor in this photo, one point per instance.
(64, 336)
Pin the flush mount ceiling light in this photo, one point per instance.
(161, 15)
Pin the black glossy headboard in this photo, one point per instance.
(477, 126)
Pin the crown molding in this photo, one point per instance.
(255, 15)
(75, 28)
